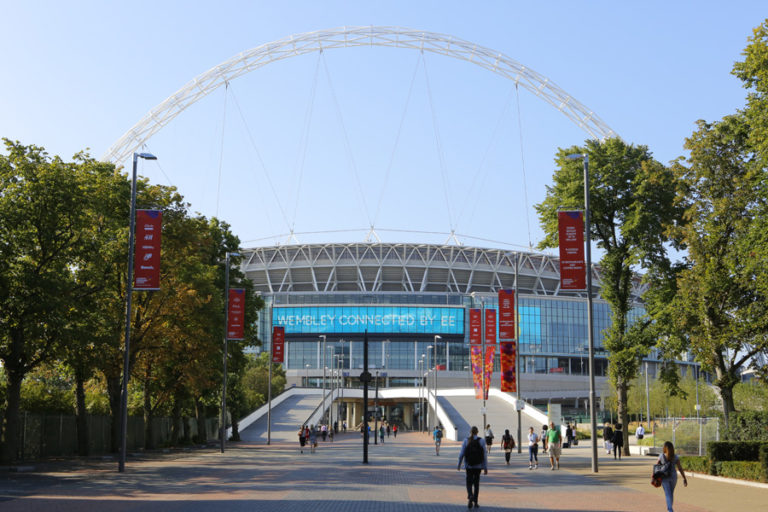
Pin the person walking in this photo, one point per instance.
(669, 481)
(608, 438)
(554, 441)
(507, 443)
(640, 432)
(381, 434)
(437, 436)
(312, 439)
(533, 449)
(302, 439)
(394, 430)
(618, 440)
(568, 436)
(324, 431)
(543, 438)
(389, 429)
(473, 453)
(488, 437)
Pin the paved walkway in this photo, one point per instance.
(402, 475)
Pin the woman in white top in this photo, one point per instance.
(488, 437)
(533, 449)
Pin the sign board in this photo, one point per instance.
(146, 261)
(490, 326)
(278, 344)
(236, 314)
(570, 226)
(507, 315)
(475, 326)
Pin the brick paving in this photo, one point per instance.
(402, 475)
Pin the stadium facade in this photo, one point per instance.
(410, 297)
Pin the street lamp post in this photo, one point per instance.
(376, 411)
(421, 393)
(223, 433)
(438, 337)
(590, 334)
(128, 300)
(306, 367)
(430, 362)
(322, 416)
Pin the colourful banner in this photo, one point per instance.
(507, 315)
(490, 326)
(475, 326)
(489, 351)
(571, 240)
(278, 344)
(146, 261)
(477, 370)
(508, 368)
(236, 314)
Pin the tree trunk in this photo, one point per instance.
(202, 433)
(82, 417)
(726, 394)
(623, 412)
(149, 442)
(114, 386)
(175, 421)
(11, 430)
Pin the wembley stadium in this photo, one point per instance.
(414, 301)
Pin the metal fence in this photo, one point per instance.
(55, 435)
(689, 435)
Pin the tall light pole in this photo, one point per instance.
(306, 367)
(422, 423)
(223, 433)
(128, 300)
(590, 334)
(322, 416)
(430, 362)
(438, 337)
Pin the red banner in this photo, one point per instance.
(508, 368)
(236, 314)
(278, 343)
(477, 370)
(507, 315)
(146, 261)
(490, 326)
(475, 326)
(571, 240)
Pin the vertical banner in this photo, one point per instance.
(477, 369)
(278, 343)
(490, 327)
(146, 256)
(489, 352)
(570, 226)
(506, 315)
(475, 324)
(236, 314)
(508, 360)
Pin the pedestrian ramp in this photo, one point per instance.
(463, 411)
(289, 412)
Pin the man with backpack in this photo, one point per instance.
(475, 457)
(437, 436)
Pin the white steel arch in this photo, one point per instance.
(344, 37)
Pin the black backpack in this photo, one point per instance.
(474, 452)
(439, 434)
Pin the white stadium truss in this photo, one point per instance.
(402, 268)
(345, 37)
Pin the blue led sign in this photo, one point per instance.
(376, 319)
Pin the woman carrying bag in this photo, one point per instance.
(665, 473)
(507, 443)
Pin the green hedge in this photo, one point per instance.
(748, 426)
(764, 460)
(740, 469)
(695, 463)
(720, 451)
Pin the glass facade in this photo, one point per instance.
(553, 330)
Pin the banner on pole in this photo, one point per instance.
(475, 326)
(236, 314)
(477, 370)
(146, 256)
(490, 327)
(507, 315)
(278, 344)
(570, 225)
(508, 368)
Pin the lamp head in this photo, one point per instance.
(438, 337)
(146, 156)
(575, 156)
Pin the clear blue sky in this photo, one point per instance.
(79, 74)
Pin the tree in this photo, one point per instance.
(46, 206)
(720, 308)
(631, 203)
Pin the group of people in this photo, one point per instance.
(551, 442)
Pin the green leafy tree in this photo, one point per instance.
(719, 310)
(46, 207)
(631, 202)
